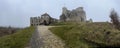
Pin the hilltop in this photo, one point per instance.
(87, 35)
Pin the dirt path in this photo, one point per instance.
(48, 39)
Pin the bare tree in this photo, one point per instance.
(115, 19)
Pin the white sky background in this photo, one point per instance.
(17, 13)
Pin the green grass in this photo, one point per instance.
(88, 35)
(17, 40)
(62, 23)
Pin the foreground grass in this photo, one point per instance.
(17, 40)
(88, 35)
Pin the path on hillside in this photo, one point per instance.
(46, 39)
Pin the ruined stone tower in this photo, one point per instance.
(76, 15)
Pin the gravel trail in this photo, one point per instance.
(46, 39)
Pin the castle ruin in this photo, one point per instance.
(45, 19)
(76, 15)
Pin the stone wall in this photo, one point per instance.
(44, 19)
(34, 21)
(76, 15)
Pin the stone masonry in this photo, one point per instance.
(45, 19)
(76, 15)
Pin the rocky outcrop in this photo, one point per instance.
(76, 15)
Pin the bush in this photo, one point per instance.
(115, 19)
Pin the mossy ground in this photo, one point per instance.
(88, 35)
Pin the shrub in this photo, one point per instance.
(115, 19)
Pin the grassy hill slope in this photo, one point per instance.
(88, 35)
(17, 40)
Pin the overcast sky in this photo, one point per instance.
(17, 13)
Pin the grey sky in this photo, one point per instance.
(17, 12)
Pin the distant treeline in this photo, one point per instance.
(8, 30)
